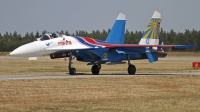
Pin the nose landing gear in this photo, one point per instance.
(72, 71)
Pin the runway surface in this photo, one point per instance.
(80, 75)
(166, 58)
(17, 77)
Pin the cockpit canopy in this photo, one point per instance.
(48, 36)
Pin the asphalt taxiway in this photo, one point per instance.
(18, 77)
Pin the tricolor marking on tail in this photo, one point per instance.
(152, 33)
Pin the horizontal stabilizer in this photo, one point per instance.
(182, 47)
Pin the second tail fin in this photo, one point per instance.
(116, 35)
(152, 31)
(151, 36)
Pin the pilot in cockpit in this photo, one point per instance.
(51, 37)
(54, 35)
(46, 37)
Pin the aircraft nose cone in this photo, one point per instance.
(29, 49)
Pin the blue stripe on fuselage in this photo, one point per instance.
(86, 43)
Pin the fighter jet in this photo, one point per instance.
(97, 52)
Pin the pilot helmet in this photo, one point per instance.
(54, 35)
(46, 37)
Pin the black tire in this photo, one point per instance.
(72, 71)
(131, 69)
(95, 69)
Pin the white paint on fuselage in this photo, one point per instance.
(75, 45)
(45, 47)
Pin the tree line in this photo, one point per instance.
(10, 41)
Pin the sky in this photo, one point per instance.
(70, 15)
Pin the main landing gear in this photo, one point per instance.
(131, 68)
(72, 71)
(95, 69)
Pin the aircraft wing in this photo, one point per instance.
(146, 45)
(100, 46)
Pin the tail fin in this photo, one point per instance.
(116, 35)
(151, 36)
(152, 33)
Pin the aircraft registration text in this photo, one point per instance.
(64, 43)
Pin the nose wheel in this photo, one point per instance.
(95, 69)
(72, 71)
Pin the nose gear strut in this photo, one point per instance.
(72, 71)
